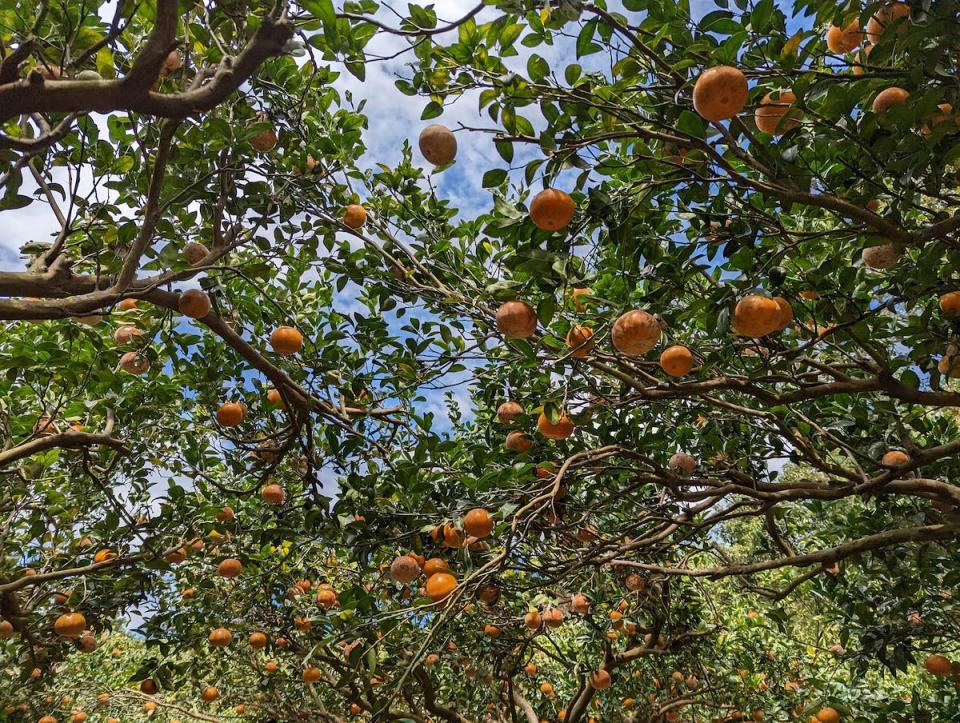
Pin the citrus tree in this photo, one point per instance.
(654, 422)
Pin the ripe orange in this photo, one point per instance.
(440, 585)
(435, 565)
(230, 414)
(509, 411)
(148, 686)
(575, 295)
(880, 257)
(274, 398)
(579, 341)
(895, 458)
(312, 675)
(447, 535)
(843, 40)
(265, 140)
(888, 98)
(127, 304)
(756, 316)
(210, 694)
(127, 335)
(478, 522)
(533, 620)
(285, 340)
(553, 617)
(682, 464)
(676, 360)
(516, 320)
(240, 709)
(600, 679)
(175, 557)
(194, 303)
(530, 668)
(552, 210)
(561, 429)
(786, 313)
(488, 593)
(271, 667)
(404, 569)
(774, 116)
(492, 630)
(580, 604)
(438, 144)
(327, 598)
(950, 304)
(70, 625)
(355, 216)
(195, 252)
(226, 514)
(885, 17)
(220, 637)
(518, 442)
(635, 332)
(6, 630)
(546, 688)
(938, 665)
(134, 363)
(274, 494)
(720, 93)
(257, 640)
(230, 568)
(828, 715)
(87, 643)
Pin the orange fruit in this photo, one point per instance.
(230, 568)
(195, 252)
(264, 140)
(210, 694)
(546, 688)
(134, 363)
(274, 398)
(404, 569)
(273, 494)
(635, 332)
(885, 17)
(843, 40)
(175, 557)
(774, 116)
(676, 360)
(127, 335)
(70, 625)
(880, 257)
(786, 313)
(327, 598)
(226, 514)
(438, 144)
(553, 617)
(950, 304)
(828, 715)
(579, 341)
(682, 464)
(516, 320)
(600, 679)
(355, 216)
(231, 414)
(530, 668)
(194, 303)
(575, 295)
(285, 340)
(440, 585)
(312, 675)
(492, 630)
(756, 316)
(127, 304)
(478, 522)
(6, 630)
(220, 637)
(148, 686)
(561, 429)
(257, 640)
(580, 604)
(533, 620)
(434, 565)
(104, 555)
(518, 442)
(720, 93)
(938, 665)
(552, 210)
(888, 98)
(895, 458)
(509, 411)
